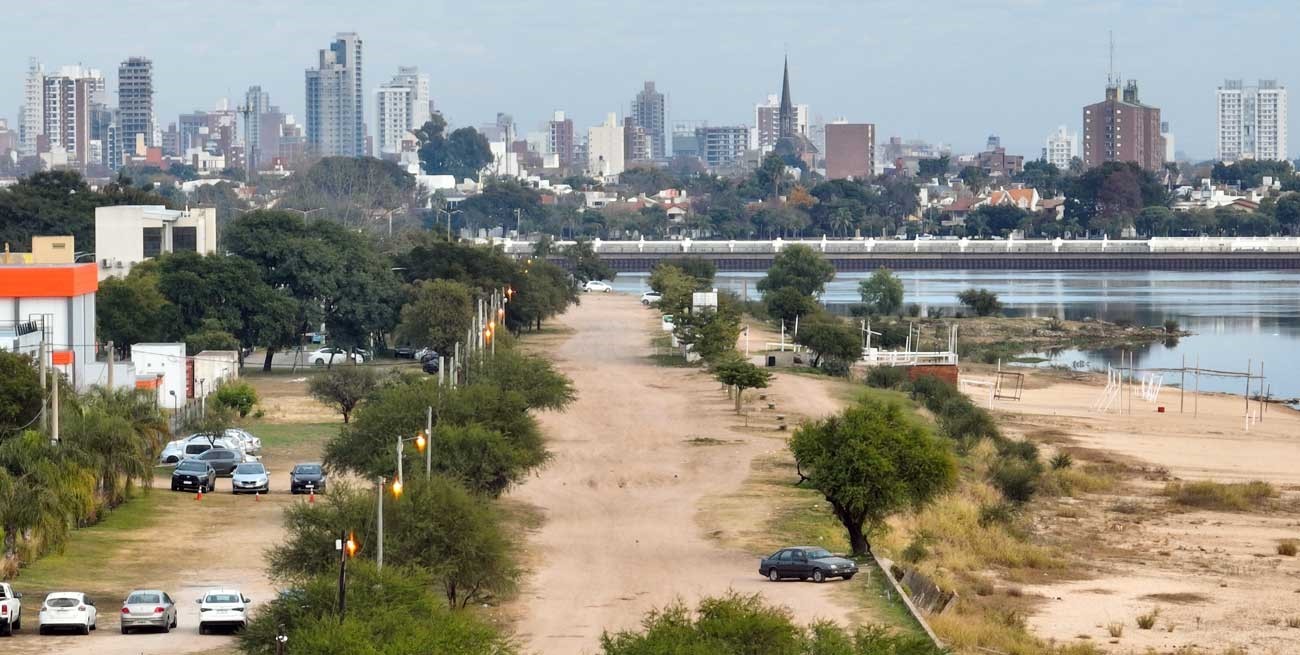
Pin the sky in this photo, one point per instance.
(948, 71)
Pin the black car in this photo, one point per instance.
(404, 352)
(194, 475)
(430, 365)
(305, 478)
(222, 460)
(806, 563)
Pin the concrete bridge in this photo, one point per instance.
(1156, 254)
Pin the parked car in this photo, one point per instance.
(67, 609)
(597, 286)
(806, 563)
(148, 608)
(250, 477)
(194, 475)
(404, 352)
(430, 366)
(650, 297)
(11, 610)
(306, 477)
(222, 608)
(197, 444)
(222, 460)
(329, 355)
(362, 354)
(251, 444)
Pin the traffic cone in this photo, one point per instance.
(257, 496)
(312, 497)
(199, 495)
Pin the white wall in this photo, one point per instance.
(214, 367)
(166, 359)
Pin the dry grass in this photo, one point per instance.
(1115, 630)
(997, 632)
(1293, 622)
(1235, 496)
(1148, 620)
(1073, 481)
(1287, 548)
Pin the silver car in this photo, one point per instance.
(148, 608)
(250, 477)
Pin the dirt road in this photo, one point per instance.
(622, 531)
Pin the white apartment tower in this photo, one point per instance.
(605, 155)
(32, 122)
(401, 105)
(335, 100)
(1061, 148)
(1251, 121)
(767, 123)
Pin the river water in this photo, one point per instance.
(1235, 317)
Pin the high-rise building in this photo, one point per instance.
(31, 124)
(722, 146)
(256, 104)
(401, 105)
(560, 139)
(335, 101)
(135, 103)
(1121, 128)
(70, 97)
(1061, 148)
(648, 113)
(685, 141)
(1171, 152)
(850, 151)
(1251, 121)
(638, 145)
(605, 148)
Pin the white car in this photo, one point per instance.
(327, 355)
(597, 286)
(252, 445)
(195, 444)
(67, 609)
(250, 477)
(222, 608)
(650, 297)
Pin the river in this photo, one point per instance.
(1234, 317)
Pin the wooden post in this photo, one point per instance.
(1182, 383)
(110, 365)
(1196, 400)
(1250, 364)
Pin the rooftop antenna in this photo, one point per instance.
(1110, 70)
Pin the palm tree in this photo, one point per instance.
(43, 493)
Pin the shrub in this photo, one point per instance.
(1055, 324)
(1016, 478)
(1062, 461)
(1287, 548)
(1171, 326)
(239, 396)
(981, 301)
(997, 514)
(916, 550)
(1293, 622)
(1148, 620)
(1236, 496)
(886, 377)
(913, 310)
(1116, 630)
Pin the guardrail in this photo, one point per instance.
(873, 357)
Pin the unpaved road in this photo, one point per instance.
(621, 498)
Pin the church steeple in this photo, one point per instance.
(786, 116)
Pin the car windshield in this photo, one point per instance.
(62, 602)
(307, 469)
(143, 599)
(250, 469)
(222, 598)
(192, 466)
(817, 553)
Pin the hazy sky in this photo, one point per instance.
(947, 71)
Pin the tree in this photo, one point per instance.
(975, 178)
(239, 396)
(586, 264)
(933, 168)
(462, 154)
(982, 301)
(708, 332)
(871, 461)
(1287, 212)
(132, 310)
(354, 192)
(1044, 176)
(799, 267)
(882, 293)
(389, 612)
(343, 388)
(787, 304)
(703, 270)
(211, 335)
(21, 396)
(741, 375)
(829, 338)
(439, 315)
(675, 288)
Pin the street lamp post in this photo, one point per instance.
(203, 397)
(449, 213)
(379, 557)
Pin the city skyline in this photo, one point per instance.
(911, 76)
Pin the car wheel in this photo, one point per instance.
(18, 623)
(203, 629)
(6, 630)
(773, 575)
(125, 630)
(848, 577)
(85, 629)
(42, 630)
(818, 576)
(319, 362)
(167, 627)
(173, 625)
(95, 625)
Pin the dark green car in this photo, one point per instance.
(806, 563)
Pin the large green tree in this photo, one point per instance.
(344, 388)
(438, 316)
(20, 392)
(871, 461)
(586, 264)
(463, 153)
(831, 340)
(800, 267)
(882, 293)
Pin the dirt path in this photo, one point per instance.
(621, 498)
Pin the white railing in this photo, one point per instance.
(874, 357)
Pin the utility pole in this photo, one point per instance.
(379, 558)
(343, 573)
(44, 389)
(54, 434)
(110, 365)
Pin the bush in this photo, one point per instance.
(1115, 630)
(239, 396)
(1016, 478)
(1171, 326)
(886, 377)
(1287, 548)
(913, 310)
(1148, 620)
(981, 301)
(1062, 461)
(1236, 496)
(997, 514)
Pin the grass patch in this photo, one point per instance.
(1287, 548)
(706, 441)
(1229, 497)
(280, 435)
(1147, 620)
(1073, 481)
(670, 361)
(1178, 598)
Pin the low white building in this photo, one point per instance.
(126, 235)
(211, 369)
(163, 367)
